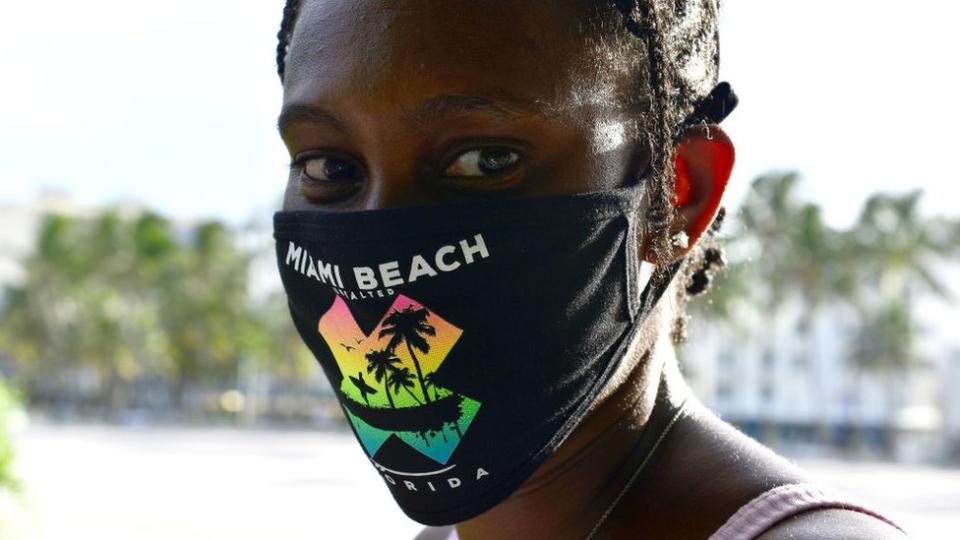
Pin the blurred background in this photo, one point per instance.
(151, 385)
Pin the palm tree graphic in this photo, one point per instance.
(381, 363)
(431, 380)
(403, 378)
(409, 326)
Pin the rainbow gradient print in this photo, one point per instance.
(388, 378)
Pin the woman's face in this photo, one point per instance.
(413, 102)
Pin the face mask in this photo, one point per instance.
(466, 341)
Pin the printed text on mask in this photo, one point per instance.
(379, 280)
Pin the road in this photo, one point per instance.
(110, 483)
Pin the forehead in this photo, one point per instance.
(550, 54)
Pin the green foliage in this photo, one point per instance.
(9, 408)
(117, 301)
(885, 339)
(783, 255)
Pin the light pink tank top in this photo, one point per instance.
(777, 504)
(772, 507)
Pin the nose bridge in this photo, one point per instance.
(393, 180)
(392, 151)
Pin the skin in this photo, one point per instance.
(396, 101)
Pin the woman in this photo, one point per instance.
(490, 209)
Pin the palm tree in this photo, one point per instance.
(795, 253)
(431, 382)
(766, 218)
(899, 252)
(403, 378)
(886, 339)
(409, 326)
(899, 248)
(132, 300)
(884, 344)
(381, 363)
(791, 260)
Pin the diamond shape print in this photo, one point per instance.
(388, 384)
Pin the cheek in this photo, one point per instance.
(619, 166)
(292, 198)
(609, 136)
(609, 154)
(580, 169)
(596, 159)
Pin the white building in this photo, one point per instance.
(797, 388)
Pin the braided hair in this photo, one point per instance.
(681, 41)
(290, 12)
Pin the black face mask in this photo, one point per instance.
(466, 341)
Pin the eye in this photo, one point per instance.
(325, 179)
(329, 169)
(483, 162)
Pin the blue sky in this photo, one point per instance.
(175, 105)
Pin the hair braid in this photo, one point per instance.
(650, 20)
(290, 11)
(642, 19)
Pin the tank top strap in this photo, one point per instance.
(779, 503)
(771, 507)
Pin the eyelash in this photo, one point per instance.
(516, 158)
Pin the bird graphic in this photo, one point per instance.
(348, 347)
(365, 389)
(358, 340)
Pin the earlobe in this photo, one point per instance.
(704, 161)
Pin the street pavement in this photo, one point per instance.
(111, 483)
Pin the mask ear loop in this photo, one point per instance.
(711, 109)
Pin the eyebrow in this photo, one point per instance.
(444, 106)
(433, 110)
(294, 113)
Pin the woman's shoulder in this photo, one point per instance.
(706, 472)
(735, 480)
(833, 524)
(800, 511)
(700, 476)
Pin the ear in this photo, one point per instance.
(704, 161)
